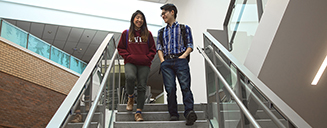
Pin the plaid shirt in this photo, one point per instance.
(173, 40)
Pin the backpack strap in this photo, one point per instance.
(183, 30)
(161, 36)
(184, 36)
(127, 39)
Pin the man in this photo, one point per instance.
(173, 53)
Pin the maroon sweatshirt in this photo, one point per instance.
(138, 52)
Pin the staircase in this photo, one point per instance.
(231, 115)
(157, 116)
(94, 121)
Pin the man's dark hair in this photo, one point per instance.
(169, 7)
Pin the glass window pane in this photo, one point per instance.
(38, 46)
(13, 34)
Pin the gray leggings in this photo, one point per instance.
(139, 73)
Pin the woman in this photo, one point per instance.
(136, 46)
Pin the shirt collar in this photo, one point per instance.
(174, 24)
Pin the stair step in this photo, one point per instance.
(160, 124)
(155, 116)
(95, 117)
(160, 107)
(264, 123)
(99, 108)
(260, 114)
(234, 106)
(79, 125)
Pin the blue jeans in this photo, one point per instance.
(172, 68)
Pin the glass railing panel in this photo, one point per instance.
(264, 3)
(257, 104)
(60, 57)
(242, 26)
(233, 18)
(220, 62)
(77, 65)
(211, 85)
(38, 46)
(212, 96)
(111, 47)
(113, 89)
(247, 20)
(211, 91)
(99, 114)
(13, 34)
(230, 111)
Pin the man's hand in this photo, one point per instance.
(186, 53)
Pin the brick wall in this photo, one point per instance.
(31, 89)
(25, 104)
(23, 65)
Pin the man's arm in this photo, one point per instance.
(186, 53)
(189, 40)
(161, 56)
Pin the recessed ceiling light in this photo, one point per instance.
(320, 71)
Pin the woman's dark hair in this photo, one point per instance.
(144, 28)
(169, 7)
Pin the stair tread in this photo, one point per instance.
(153, 112)
(158, 107)
(157, 116)
(258, 120)
(153, 116)
(161, 124)
(197, 121)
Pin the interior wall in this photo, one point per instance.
(265, 34)
(200, 16)
(296, 52)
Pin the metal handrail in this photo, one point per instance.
(256, 99)
(65, 108)
(102, 86)
(297, 120)
(229, 89)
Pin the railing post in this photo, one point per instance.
(218, 98)
(260, 9)
(119, 69)
(28, 37)
(90, 90)
(0, 26)
(113, 85)
(240, 94)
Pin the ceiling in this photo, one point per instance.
(157, 1)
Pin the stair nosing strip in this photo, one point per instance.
(159, 112)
